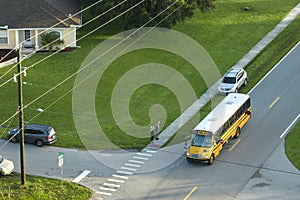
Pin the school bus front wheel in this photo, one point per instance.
(211, 159)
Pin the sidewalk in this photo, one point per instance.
(212, 91)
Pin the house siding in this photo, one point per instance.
(38, 16)
(68, 35)
(11, 41)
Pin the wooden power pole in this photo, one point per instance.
(21, 119)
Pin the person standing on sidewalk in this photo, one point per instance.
(152, 132)
(157, 129)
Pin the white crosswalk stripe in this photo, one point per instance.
(111, 185)
(140, 158)
(150, 151)
(107, 189)
(115, 180)
(132, 165)
(104, 193)
(127, 168)
(124, 172)
(144, 154)
(119, 176)
(136, 161)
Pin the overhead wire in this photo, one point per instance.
(105, 12)
(124, 12)
(110, 50)
(97, 57)
(6, 127)
(47, 29)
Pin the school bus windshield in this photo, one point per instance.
(202, 141)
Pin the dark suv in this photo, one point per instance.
(38, 134)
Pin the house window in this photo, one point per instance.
(27, 35)
(58, 34)
(3, 36)
(27, 42)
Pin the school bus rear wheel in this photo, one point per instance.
(238, 132)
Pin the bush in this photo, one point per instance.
(51, 39)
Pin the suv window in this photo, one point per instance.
(229, 79)
(240, 75)
(31, 131)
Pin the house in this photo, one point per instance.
(24, 21)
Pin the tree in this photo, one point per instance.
(205, 5)
(164, 13)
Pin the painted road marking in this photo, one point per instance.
(233, 146)
(144, 154)
(140, 158)
(119, 176)
(150, 151)
(191, 192)
(127, 168)
(115, 180)
(292, 124)
(272, 104)
(132, 165)
(111, 185)
(104, 193)
(136, 161)
(107, 189)
(124, 172)
(81, 176)
(282, 59)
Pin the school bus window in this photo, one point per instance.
(202, 141)
(216, 129)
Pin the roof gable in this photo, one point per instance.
(39, 13)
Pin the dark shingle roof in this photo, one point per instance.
(39, 13)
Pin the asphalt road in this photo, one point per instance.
(241, 166)
(275, 103)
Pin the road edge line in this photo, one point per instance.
(286, 55)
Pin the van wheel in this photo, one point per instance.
(237, 133)
(14, 140)
(211, 159)
(39, 143)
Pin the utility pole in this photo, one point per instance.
(21, 119)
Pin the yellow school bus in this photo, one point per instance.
(221, 124)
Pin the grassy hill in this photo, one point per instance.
(226, 33)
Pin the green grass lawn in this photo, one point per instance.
(264, 62)
(40, 188)
(227, 33)
(292, 141)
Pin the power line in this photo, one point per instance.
(6, 127)
(109, 51)
(72, 74)
(98, 56)
(69, 77)
(124, 12)
(57, 39)
(62, 21)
